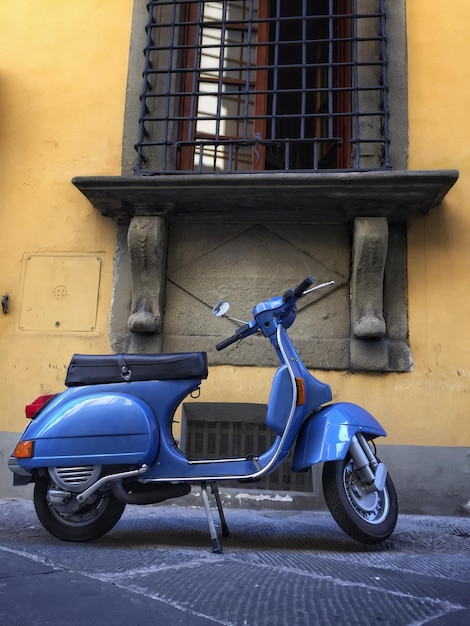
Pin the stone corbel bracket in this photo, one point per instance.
(370, 245)
(147, 245)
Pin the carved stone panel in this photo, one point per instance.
(247, 264)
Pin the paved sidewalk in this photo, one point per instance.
(278, 568)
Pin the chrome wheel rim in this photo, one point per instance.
(90, 511)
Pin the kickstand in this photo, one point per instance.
(216, 547)
(215, 491)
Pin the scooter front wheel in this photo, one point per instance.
(94, 519)
(366, 517)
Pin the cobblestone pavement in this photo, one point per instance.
(278, 568)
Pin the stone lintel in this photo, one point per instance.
(331, 197)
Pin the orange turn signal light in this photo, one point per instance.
(301, 395)
(24, 450)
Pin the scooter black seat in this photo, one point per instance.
(98, 369)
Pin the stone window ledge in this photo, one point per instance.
(330, 197)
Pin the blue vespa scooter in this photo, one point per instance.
(107, 440)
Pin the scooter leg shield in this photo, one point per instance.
(326, 435)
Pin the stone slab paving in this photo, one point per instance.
(278, 568)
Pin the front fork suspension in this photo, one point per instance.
(371, 472)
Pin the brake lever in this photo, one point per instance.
(328, 284)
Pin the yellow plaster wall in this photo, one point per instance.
(438, 263)
(63, 67)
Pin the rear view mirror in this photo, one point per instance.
(221, 308)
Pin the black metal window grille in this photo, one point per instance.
(262, 85)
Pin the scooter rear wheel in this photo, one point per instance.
(369, 518)
(94, 519)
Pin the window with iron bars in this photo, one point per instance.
(264, 85)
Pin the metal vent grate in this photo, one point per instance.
(262, 85)
(212, 430)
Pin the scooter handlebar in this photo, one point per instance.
(304, 285)
(244, 331)
(288, 299)
(226, 342)
(298, 292)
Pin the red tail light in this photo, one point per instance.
(35, 407)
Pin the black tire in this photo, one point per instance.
(94, 519)
(367, 518)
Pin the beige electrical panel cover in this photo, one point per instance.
(60, 293)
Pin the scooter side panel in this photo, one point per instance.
(326, 435)
(98, 428)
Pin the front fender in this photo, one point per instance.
(326, 435)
